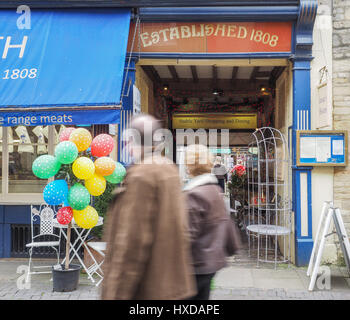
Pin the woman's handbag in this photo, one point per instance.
(233, 239)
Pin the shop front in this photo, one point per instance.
(232, 70)
(230, 66)
(57, 73)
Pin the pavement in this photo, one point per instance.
(243, 279)
(12, 283)
(240, 280)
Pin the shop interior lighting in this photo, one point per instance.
(217, 92)
(264, 90)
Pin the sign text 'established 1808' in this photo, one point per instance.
(215, 37)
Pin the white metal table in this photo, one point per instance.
(82, 235)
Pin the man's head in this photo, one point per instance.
(146, 125)
(142, 135)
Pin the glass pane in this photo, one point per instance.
(25, 145)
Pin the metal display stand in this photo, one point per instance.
(328, 213)
(80, 241)
(269, 207)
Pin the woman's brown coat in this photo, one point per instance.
(148, 253)
(214, 236)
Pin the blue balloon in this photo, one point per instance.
(56, 192)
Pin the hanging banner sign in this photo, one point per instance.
(215, 121)
(66, 58)
(232, 37)
(324, 106)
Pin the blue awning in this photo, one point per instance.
(66, 69)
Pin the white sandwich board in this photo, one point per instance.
(323, 231)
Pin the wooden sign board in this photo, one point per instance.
(322, 148)
(213, 37)
(214, 121)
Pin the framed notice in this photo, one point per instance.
(322, 148)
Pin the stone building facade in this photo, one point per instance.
(341, 98)
(340, 75)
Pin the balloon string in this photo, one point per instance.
(68, 178)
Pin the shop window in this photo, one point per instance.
(25, 144)
(19, 147)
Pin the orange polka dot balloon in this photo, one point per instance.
(81, 138)
(102, 145)
(104, 166)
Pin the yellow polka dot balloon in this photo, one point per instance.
(81, 138)
(86, 218)
(96, 185)
(83, 168)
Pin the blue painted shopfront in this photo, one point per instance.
(302, 13)
(59, 80)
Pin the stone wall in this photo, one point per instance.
(341, 98)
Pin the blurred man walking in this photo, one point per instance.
(148, 252)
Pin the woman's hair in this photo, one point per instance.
(198, 160)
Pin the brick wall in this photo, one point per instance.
(341, 97)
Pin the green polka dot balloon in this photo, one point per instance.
(118, 174)
(66, 152)
(78, 197)
(46, 166)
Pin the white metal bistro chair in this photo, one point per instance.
(99, 247)
(45, 216)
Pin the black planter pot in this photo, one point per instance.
(66, 280)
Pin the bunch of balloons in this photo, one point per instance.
(93, 168)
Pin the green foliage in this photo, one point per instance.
(236, 182)
(101, 205)
(66, 173)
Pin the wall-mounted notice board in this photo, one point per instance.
(322, 148)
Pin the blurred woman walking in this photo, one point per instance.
(213, 234)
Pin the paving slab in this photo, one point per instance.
(234, 278)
